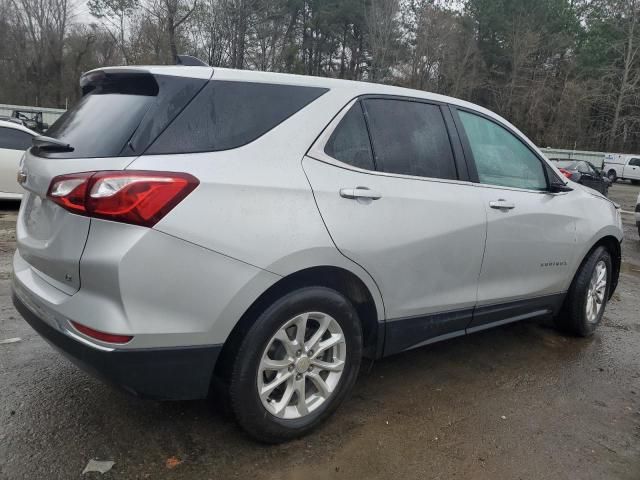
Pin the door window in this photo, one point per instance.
(410, 138)
(583, 168)
(500, 157)
(349, 142)
(13, 139)
(592, 169)
(635, 162)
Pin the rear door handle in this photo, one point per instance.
(359, 192)
(502, 204)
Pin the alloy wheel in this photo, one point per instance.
(596, 292)
(302, 365)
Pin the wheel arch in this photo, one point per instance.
(340, 279)
(612, 244)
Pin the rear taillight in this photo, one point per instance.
(139, 198)
(566, 172)
(102, 336)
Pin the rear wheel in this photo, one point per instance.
(296, 364)
(588, 295)
(635, 182)
(611, 174)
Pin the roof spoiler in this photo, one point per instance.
(189, 61)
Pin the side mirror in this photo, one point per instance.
(559, 188)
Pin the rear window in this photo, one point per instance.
(568, 164)
(228, 114)
(120, 114)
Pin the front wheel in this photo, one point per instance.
(296, 364)
(588, 295)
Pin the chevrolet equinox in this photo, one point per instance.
(185, 226)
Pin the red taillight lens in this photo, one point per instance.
(139, 198)
(69, 191)
(565, 172)
(102, 336)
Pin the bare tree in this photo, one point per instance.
(382, 23)
(629, 73)
(115, 16)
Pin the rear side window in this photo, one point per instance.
(635, 162)
(13, 139)
(227, 115)
(410, 138)
(349, 142)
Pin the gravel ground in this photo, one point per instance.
(517, 402)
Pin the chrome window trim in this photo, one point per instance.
(516, 189)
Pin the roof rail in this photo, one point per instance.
(189, 61)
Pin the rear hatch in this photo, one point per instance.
(119, 115)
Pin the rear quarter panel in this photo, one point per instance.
(254, 203)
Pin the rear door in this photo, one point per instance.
(13, 143)
(402, 212)
(119, 115)
(530, 231)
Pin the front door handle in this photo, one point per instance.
(359, 192)
(502, 204)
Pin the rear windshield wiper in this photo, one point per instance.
(51, 144)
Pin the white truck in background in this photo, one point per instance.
(622, 167)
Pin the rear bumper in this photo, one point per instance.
(176, 373)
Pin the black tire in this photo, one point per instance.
(611, 174)
(573, 317)
(635, 182)
(246, 404)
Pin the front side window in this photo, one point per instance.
(635, 162)
(500, 157)
(410, 138)
(14, 139)
(349, 142)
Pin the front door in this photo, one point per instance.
(530, 231)
(632, 170)
(403, 214)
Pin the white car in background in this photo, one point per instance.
(14, 140)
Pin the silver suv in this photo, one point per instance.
(185, 227)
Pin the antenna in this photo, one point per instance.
(189, 61)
